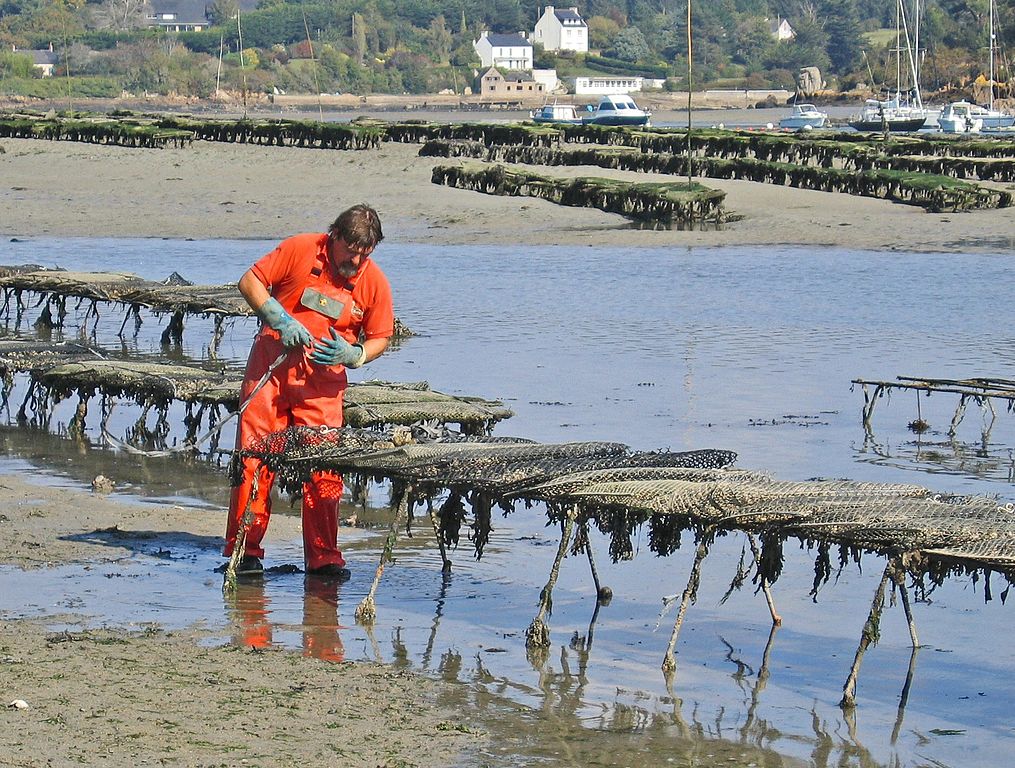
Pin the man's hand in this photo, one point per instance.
(338, 351)
(290, 330)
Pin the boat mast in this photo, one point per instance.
(901, 12)
(898, 52)
(916, 43)
(990, 30)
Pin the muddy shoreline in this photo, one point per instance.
(145, 695)
(67, 189)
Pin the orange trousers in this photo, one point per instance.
(299, 393)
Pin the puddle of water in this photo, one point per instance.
(751, 350)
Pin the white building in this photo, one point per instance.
(42, 59)
(611, 85)
(548, 78)
(781, 29)
(562, 29)
(504, 51)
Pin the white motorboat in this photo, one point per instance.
(960, 117)
(556, 114)
(617, 110)
(804, 117)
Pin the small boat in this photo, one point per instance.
(993, 119)
(558, 114)
(960, 117)
(988, 117)
(889, 115)
(804, 117)
(617, 110)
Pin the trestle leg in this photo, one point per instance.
(240, 545)
(870, 400)
(603, 593)
(436, 523)
(870, 635)
(366, 611)
(960, 412)
(538, 633)
(765, 586)
(899, 578)
(689, 596)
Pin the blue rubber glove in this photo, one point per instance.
(338, 351)
(290, 330)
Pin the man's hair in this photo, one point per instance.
(359, 226)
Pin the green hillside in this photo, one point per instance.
(422, 46)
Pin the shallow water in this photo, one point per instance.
(750, 349)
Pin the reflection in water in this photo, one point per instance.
(565, 727)
(248, 610)
(948, 456)
(904, 698)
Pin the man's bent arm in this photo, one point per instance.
(253, 290)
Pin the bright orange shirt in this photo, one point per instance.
(289, 270)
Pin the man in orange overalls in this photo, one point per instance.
(312, 286)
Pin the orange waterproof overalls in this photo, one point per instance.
(299, 392)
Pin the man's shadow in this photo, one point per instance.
(168, 545)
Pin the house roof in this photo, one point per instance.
(182, 11)
(779, 23)
(42, 57)
(569, 16)
(508, 41)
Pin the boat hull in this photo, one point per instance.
(997, 121)
(901, 125)
(557, 121)
(959, 125)
(796, 123)
(617, 120)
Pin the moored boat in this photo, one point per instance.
(904, 111)
(804, 117)
(617, 110)
(559, 114)
(890, 115)
(993, 119)
(960, 117)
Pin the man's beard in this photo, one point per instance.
(347, 269)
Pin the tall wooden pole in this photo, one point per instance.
(690, 171)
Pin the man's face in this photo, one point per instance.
(347, 259)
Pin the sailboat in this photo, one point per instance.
(964, 117)
(903, 111)
(993, 118)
